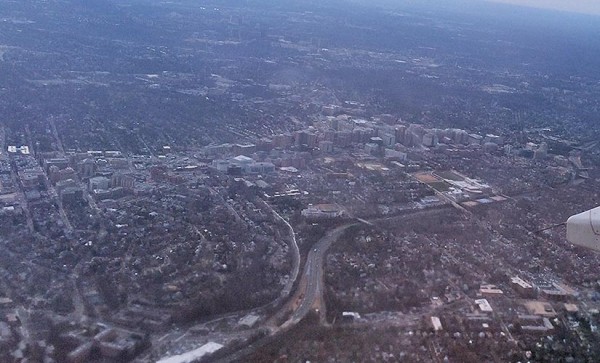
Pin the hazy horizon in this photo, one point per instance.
(586, 7)
(591, 7)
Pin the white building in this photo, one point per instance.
(350, 315)
(484, 305)
(242, 161)
(436, 323)
(323, 211)
(22, 149)
(193, 355)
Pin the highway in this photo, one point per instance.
(310, 289)
(309, 295)
(272, 327)
(294, 250)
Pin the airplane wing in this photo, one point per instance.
(583, 229)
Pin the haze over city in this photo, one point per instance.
(290, 181)
(580, 6)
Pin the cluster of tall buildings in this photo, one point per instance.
(343, 131)
(382, 136)
(101, 170)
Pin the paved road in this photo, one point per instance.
(295, 253)
(310, 291)
(174, 336)
(308, 295)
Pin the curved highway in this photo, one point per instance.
(310, 290)
(309, 295)
(295, 254)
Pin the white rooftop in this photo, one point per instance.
(519, 281)
(22, 149)
(193, 355)
(243, 159)
(484, 305)
(437, 324)
(249, 320)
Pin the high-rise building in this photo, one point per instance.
(99, 183)
(123, 181)
(389, 140)
(86, 168)
(326, 146)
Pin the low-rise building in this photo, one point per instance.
(490, 290)
(350, 316)
(323, 211)
(484, 305)
(522, 287)
(436, 323)
(475, 139)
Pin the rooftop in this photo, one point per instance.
(193, 355)
(243, 159)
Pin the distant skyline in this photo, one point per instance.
(579, 6)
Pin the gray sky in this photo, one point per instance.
(580, 6)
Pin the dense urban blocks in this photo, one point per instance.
(296, 181)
